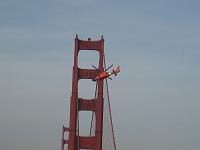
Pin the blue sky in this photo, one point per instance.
(156, 43)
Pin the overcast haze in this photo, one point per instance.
(156, 98)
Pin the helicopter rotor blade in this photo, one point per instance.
(110, 78)
(109, 67)
(96, 68)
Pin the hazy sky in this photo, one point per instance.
(156, 98)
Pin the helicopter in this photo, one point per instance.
(105, 74)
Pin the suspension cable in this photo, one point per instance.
(110, 115)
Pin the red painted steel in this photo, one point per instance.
(75, 141)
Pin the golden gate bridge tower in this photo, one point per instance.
(101, 134)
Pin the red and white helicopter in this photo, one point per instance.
(105, 74)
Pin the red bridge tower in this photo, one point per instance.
(77, 104)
